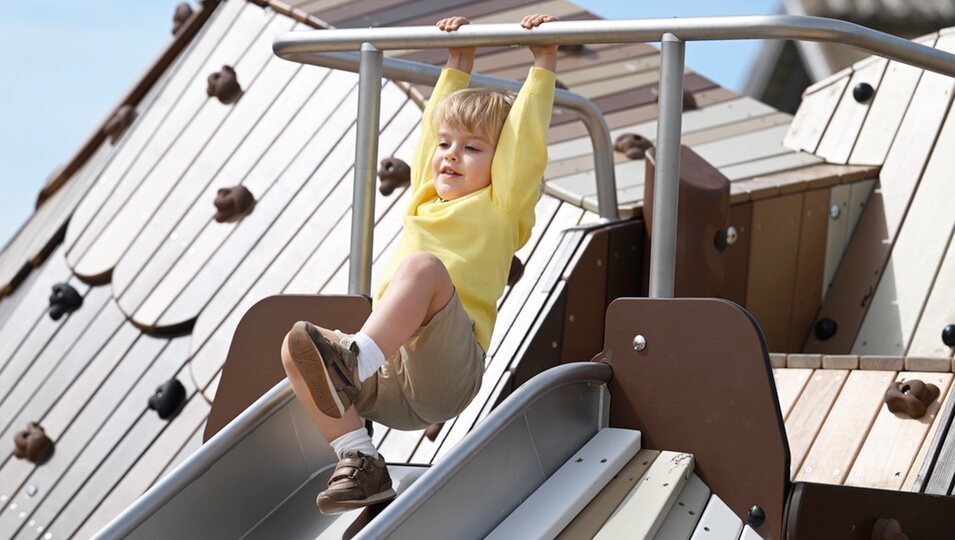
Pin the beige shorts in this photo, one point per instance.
(431, 379)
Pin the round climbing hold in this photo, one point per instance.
(33, 445)
(168, 399)
(911, 398)
(863, 92)
(63, 300)
(888, 529)
(689, 100)
(755, 516)
(825, 329)
(224, 85)
(393, 174)
(720, 241)
(948, 335)
(182, 14)
(234, 203)
(120, 122)
(633, 145)
(515, 272)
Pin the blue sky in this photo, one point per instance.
(66, 64)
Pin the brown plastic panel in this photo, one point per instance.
(253, 365)
(703, 384)
(703, 208)
(822, 511)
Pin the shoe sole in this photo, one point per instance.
(329, 506)
(312, 369)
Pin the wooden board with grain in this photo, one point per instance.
(840, 137)
(833, 452)
(813, 116)
(809, 412)
(939, 312)
(807, 289)
(790, 383)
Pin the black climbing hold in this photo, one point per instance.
(863, 92)
(168, 399)
(224, 85)
(515, 272)
(33, 444)
(720, 240)
(182, 14)
(119, 122)
(825, 329)
(574, 48)
(633, 145)
(755, 516)
(948, 335)
(234, 203)
(63, 300)
(393, 173)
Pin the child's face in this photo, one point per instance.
(461, 163)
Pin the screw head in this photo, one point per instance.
(825, 329)
(834, 211)
(948, 335)
(31, 490)
(863, 92)
(755, 516)
(732, 235)
(639, 343)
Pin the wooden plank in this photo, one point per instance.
(772, 266)
(886, 111)
(743, 148)
(813, 116)
(72, 432)
(892, 444)
(938, 313)
(845, 429)
(916, 257)
(836, 145)
(769, 165)
(642, 512)
(736, 265)
(256, 167)
(789, 386)
(749, 534)
(866, 255)
(126, 176)
(685, 514)
(595, 514)
(546, 511)
(836, 233)
(232, 152)
(808, 413)
(717, 522)
(111, 436)
(807, 290)
(927, 453)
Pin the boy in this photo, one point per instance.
(419, 358)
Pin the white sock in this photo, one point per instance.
(355, 440)
(370, 357)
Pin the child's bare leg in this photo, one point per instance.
(419, 289)
(331, 428)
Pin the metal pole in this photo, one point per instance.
(366, 153)
(666, 178)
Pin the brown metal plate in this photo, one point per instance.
(702, 385)
(253, 365)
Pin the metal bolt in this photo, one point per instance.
(834, 211)
(755, 516)
(731, 235)
(31, 490)
(639, 343)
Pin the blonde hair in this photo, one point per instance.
(478, 110)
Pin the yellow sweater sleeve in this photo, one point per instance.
(450, 81)
(521, 154)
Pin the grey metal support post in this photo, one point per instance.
(666, 178)
(366, 154)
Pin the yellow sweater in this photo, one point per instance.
(476, 235)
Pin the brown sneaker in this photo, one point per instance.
(358, 480)
(330, 369)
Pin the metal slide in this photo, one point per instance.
(258, 477)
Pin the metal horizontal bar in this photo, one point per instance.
(426, 74)
(624, 31)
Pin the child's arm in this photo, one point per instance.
(521, 154)
(454, 77)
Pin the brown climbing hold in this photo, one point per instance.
(224, 85)
(515, 272)
(233, 203)
(911, 398)
(633, 145)
(393, 173)
(119, 122)
(689, 102)
(574, 48)
(182, 14)
(888, 529)
(33, 445)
